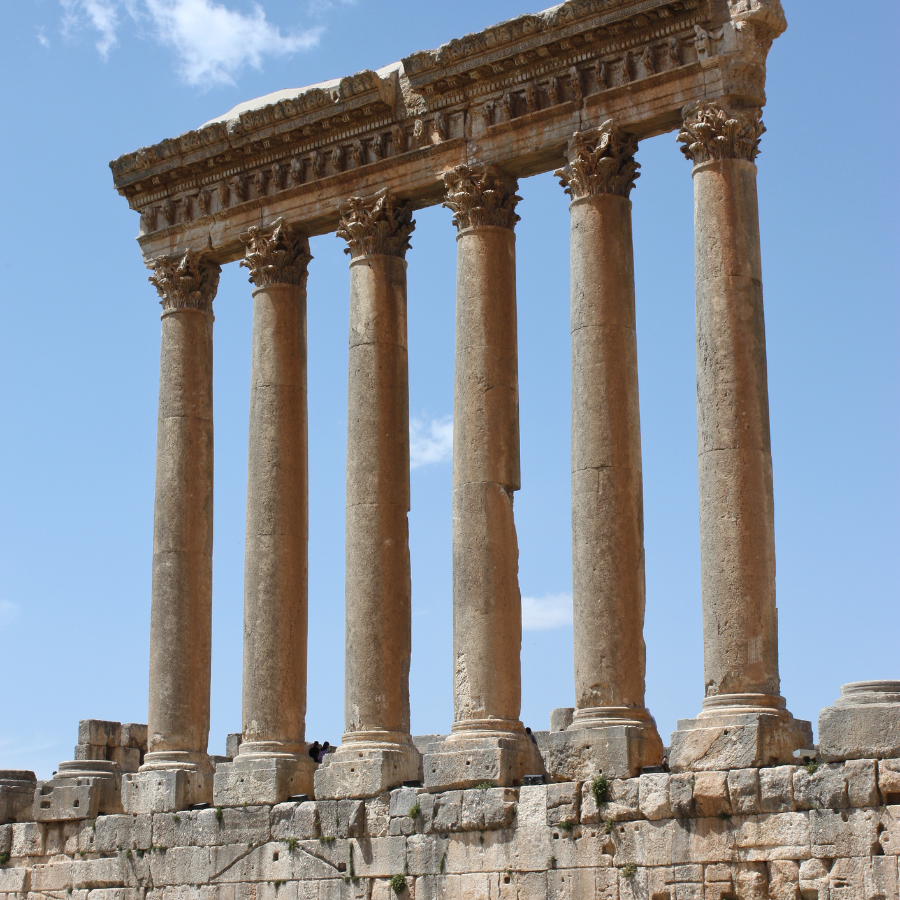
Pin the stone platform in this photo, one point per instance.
(782, 833)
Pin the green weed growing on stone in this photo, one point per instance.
(600, 788)
(415, 810)
(811, 767)
(629, 870)
(292, 843)
(443, 861)
(4, 859)
(69, 889)
(566, 826)
(350, 867)
(326, 839)
(176, 818)
(128, 853)
(608, 826)
(484, 786)
(278, 884)
(725, 816)
(218, 813)
(398, 884)
(552, 862)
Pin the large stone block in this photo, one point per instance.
(17, 789)
(616, 751)
(356, 772)
(165, 790)
(253, 780)
(751, 740)
(864, 723)
(465, 760)
(80, 789)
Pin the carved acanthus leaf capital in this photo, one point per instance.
(276, 254)
(186, 281)
(711, 132)
(376, 226)
(601, 161)
(481, 195)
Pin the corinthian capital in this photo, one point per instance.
(481, 195)
(276, 254)
(376, 226)
(185, 281)
(711, 132)
(601, 161)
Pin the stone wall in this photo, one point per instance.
(827, 832)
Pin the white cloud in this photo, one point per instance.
(547, 612)
(213, 43)
(43, 40)
(430, 441)
(8, 612)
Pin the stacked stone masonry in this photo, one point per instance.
(781, 833)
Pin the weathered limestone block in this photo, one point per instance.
(27, 839)
(232, 826)
(784, 879)
(778, 836)
(681, 795)
(563, 803)
(80, 790)
(711, 794)
(838, 833)
(17, 789)
(743, 790)
(889, 781)
(295, 820)
(617, 751)
(164, 790)
(262, 779)
(776, 792)
(823, 788)
(864, 723)
(654, 796)
(622, 802)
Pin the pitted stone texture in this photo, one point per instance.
(165, 790)
(464, 761)
(737, 742)
(366, 771)
(80, 790)
(864, 723)
(254, 780)
(17, 789)
(618, 751)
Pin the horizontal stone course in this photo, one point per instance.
(543, 841)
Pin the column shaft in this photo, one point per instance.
(378, 589)
(607, 493)
(181, 606)
(487, 607)
(275, 573)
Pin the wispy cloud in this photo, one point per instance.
(8, 612)
(547, 612)
(212, 42)
(430, 440)
(43, 40)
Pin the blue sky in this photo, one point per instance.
(84, 81)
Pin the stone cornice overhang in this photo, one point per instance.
(512, 96)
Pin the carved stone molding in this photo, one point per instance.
(376, 226)
(276, 254)
(481, 195)
(601, 161)
(711, 132)
(185, 281)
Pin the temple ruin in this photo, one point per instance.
(744, 805)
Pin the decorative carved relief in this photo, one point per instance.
(296, 170)
(601, 161)
(531, 100)
(648, 58)
(204, 201)
(149, 216)
(509, 104)
(261, 182)
(440, 127)
(318, 164)
(601, 74)
(481, 195)
(487, 114)
(711, 132)
(702, 43)
(224, 194)
(359, 153)
(279, 176)
(337, 159)
(276, 254)
(419, 133)
(168, 212)
(575, 81)
(185, 281)
(553, 90)
(376, 226)
(673, 52)
(398, 139)
(378, 145)
(239, 187)
(627, 68)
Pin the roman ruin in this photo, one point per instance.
(741, 803)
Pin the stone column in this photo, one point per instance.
(176, 771)
(376, 752)
(488, 742)
(611, 731)
(273, 764)
(744, 722)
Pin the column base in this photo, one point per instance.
(863, 724)
(616, 742)
(738, 731)
(262, 774)
(474, 755)
(81, 789)
(168, 781)
(17, 789)
(364, 766)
